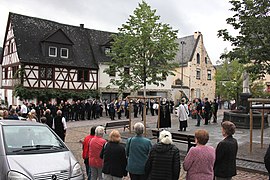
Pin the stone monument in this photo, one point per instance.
(240, 116)
(244, 104)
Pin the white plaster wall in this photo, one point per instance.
(9, 96)
(104, 80)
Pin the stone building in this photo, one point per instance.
(195, 75)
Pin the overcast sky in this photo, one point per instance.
(187, 16)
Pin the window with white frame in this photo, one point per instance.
(52, 51)
(107, 50)
(209, 76)
(64, 53)
(198, 74)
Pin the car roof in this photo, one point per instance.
(19, 123)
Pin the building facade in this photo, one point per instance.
(43, 54)
(195, 75)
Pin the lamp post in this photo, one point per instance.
(182, 64)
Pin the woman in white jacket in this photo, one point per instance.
(183, 115)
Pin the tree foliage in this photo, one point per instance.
(144, 45)
(46, 94)
(229, 80)
(251, 45)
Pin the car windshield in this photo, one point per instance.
(30, 139)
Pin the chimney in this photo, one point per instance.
(196, 34)
(82, 26)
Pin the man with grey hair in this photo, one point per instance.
(59, 125)
(95, 147)
(137, 149)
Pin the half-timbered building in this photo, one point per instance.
(42, 54)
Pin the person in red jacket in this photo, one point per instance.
(95, 147)
(85, 152)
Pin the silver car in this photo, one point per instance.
(31, 150)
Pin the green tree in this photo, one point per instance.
(143, 51)
(229, 80)
(251, 44)
(258, 90)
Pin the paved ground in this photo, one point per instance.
(248, 163)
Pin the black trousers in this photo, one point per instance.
(137, 176)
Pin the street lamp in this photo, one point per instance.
(182, 64)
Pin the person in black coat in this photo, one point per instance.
(165, 115)
(60, 125)
(267, 160)
(198, 111)
(49, 118)
(112, 109)
(164, 159)
(135, 108)
(214, 110)
(207, 110)
(226, 151)
(114, 157)
(88, 109)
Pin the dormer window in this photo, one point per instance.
(107, 50)
(52, 51)
(64, 53)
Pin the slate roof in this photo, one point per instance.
(31, 31)
(189, 47)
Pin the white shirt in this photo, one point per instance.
(155, 106)
(23, 109)
(183, 112)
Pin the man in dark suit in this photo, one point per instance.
(214, 110)
(207, 110)
(226, 151)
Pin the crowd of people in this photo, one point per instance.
(142, 161)
(200, 110)
(90, 109)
